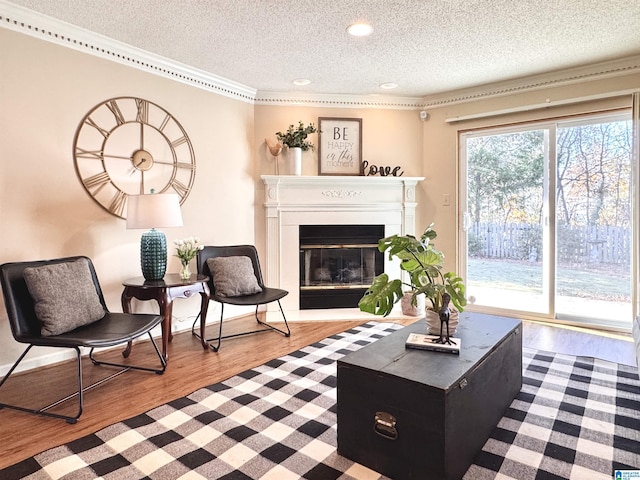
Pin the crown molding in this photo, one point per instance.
(293, 99)
(571, 76)
(23, 20)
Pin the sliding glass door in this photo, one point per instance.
(547, 225)
(505, 219)
(593, 219)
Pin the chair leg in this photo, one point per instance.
(217, 347)
(207, 340)
(218, 339)
(268, 325)
(200, 335)
(81, 389)
(43, 411)
(158, 371)
(193, 327)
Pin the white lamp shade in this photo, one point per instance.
(154, 210)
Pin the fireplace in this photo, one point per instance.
(338, 263)
(292, 202)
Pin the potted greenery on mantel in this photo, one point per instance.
(423, 262)
(295, 138)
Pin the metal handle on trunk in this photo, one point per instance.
(384, 424)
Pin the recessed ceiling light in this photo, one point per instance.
(388, 85)
(301, 81)
(360, 29)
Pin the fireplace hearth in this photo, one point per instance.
(338, 264)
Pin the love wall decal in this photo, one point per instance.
(383, 171)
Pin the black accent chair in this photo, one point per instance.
(267, 295)
(111, 330)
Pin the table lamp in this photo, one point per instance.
(154, 210)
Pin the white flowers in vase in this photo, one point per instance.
(187, 249)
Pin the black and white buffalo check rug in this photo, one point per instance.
(575, 418)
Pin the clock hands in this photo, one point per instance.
(141, 160)
(137, 163)
(116, 156)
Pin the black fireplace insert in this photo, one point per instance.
(338, 264)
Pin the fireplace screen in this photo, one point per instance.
(339, 266)
(338, 263)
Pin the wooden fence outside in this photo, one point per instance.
(576, 245)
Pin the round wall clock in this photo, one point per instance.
(130, 146)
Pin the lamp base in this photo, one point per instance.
(153, 254)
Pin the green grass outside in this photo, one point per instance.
(601, 283)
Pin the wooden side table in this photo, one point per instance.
(164, 291)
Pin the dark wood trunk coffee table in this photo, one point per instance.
(416, 414)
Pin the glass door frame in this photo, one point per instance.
(549, 218)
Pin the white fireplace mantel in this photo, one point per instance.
(291, 201)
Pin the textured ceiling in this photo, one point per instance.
(425, 46)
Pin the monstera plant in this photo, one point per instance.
(423, 263)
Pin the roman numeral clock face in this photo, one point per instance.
(129, 146)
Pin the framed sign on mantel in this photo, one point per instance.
(339, 146)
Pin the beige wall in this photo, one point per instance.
(45, 91)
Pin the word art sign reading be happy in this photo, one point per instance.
(340, 146)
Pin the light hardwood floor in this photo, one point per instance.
(614, 347)
(190, 367)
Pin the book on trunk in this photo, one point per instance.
(428, 342)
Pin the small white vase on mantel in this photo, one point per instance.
(295, 161)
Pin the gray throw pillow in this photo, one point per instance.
(65, 296)
(233, 276)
